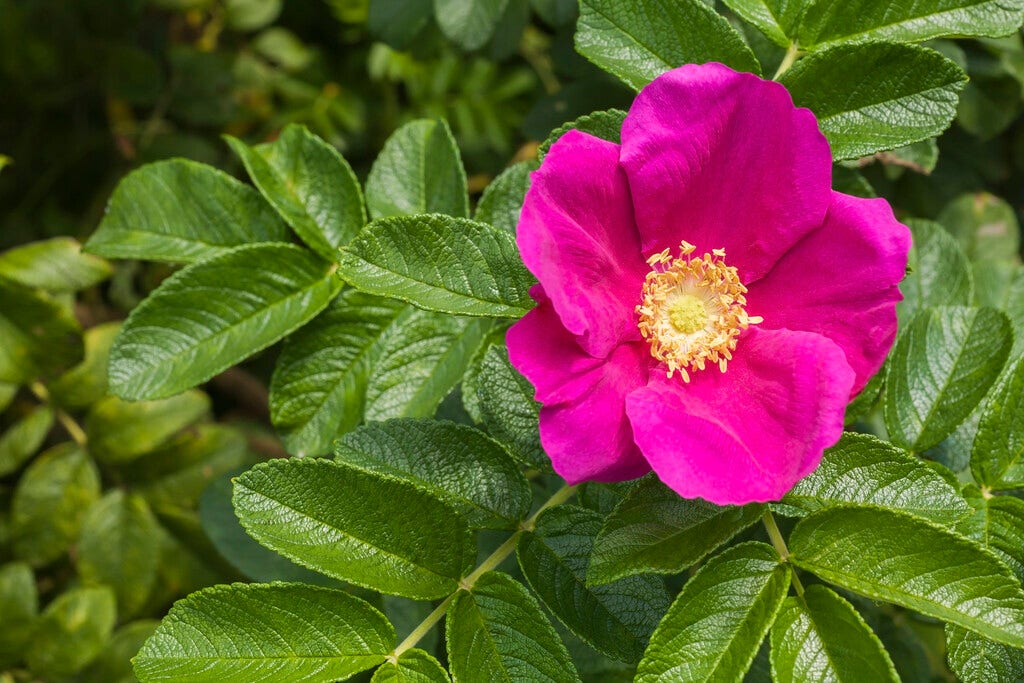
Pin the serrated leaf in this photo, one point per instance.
(120, 431)
(253, 633)
(56, 265)
(413, 666)
(606, 125)
(383, 533)
(638, 40)
(181, 336)
(507, 407)
(113, 664)
(440, 263)
(941, 367)
(182, 211)
(37, 335)
(468, 23)
(826, 23)
(892, 556)
(498, 633)
(876, 96)
(71, 632)
(502, 199)
(86, 383)
(998, 524)
(50, 502)
(455, 463)
(939, 272)
(617, 619)
(777, 19)
(318, 389)
(22, 439)
(978, 660)
(19, 605)
(654, 530)
(997, 454)
(310, 185)
(820, 637)
(864, 469)
(716, 625)
(419, 170)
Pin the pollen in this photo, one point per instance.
(693, 310)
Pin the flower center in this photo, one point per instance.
(692, 311)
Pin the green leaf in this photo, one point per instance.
(113, 664)
(716, 625)
(998, 524)
(86, 383)
(827, 23)
(22, 439)
(502, 200)
(120, 547)
(71, 632)
(181, 336)
(777, 19)
(939, 272)
(420, 362)
(820, 637)
(383, 533)
(50, 502)
(413, 666)
(497, 632)
(19, 605)
(398, 22)
(997, 455)
(638, 40)
(452, 462)
(468, 23)
(181, 211)
(616, 619)
(892, 556)
(606, 125)
(37, 335)
(252, 633)
(864, 469)
(319, 385)
(654, 530)
(507, 406)
(876, 96)
(120, 431)
(418, 171)
(985, 225)
(940, 369)
(56, 264)
(310, 185)
(978, 660)
(440, 263)
(249, 15)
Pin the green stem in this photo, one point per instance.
(780, 545)
(493, 560)
(70, 426)
(791, 54)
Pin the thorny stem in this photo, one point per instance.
(70, 425)
(780, 545)
(791, 54)
(493, 560)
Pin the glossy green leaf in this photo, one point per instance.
(939, 272)
(37, 335)
(310, 185)
(998, 524)
(877, 96)
(383, 533)
(820, 637)
(896, 557)
(616, 619)
(181, 336)
(71, 632)
(716, 624)
(56, 264)
(256, 633)
(181, 211)
(655, 531)
(413, 666)
(498, 632)
(22, 439)
(826, 22)
(943, 363)
(638, 40)
(468, 23)
(418, 171)
(318, 390)
(777, 19)
(440, 263)
(120, 431)
(606, 125)
(86, 383)
(985, 225)
(502, 200)
(997, 455)
(507, 407)
(864, 469)
(19, 606)
(113, 664)
(50, 502)
(453, 462)
(975, 659)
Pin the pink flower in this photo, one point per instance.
(707, 304)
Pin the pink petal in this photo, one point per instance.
(841, 281)
(577, 235)
(749, 434)
(724, 160)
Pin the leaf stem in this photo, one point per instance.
(791, 54)
(493, 560)
(70, 425)
(780, 545)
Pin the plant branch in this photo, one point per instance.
(791, 55)
(72, 427)
(780, 545)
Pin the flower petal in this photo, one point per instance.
(751, 433)
(841, 281)
(577, 235)
(724, 160)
